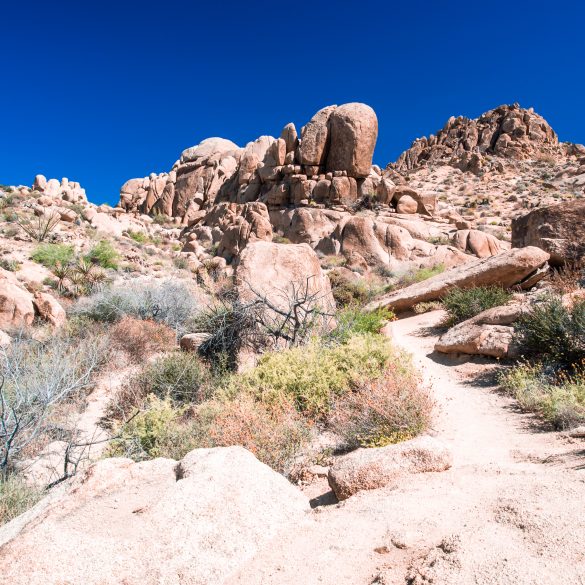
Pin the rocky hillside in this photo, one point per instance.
(268, 344)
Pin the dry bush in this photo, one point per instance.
(568, 278)
(383, 411)
(139, 339)
(273, 436)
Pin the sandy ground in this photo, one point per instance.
(509, 511)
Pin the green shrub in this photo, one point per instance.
(557, 396)
(419, 275)
(16, 497)
(139, 237)
(554, 331)
(50, 255)
(349, 292)
(353, 320)
(179, 375)
(462, 304)
(312, 375)
(104, 254)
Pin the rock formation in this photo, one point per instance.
(558, 229)
(507, 131)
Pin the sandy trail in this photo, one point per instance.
(510, 507)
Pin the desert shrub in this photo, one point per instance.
(78, 279)
(51, 255)
(570, 277)
(139, 237)
(554, 331)
(348, 292)
(139, 338)
(181, 263)
(386, 410)
(558, 396)
(170, 302)
(104, 254)
(311, 376)
(166, 430)
(10, 265)
(231, 325)
(178, 376)
(161, 219)
(419, 275)
(462, 304)
(274, 436)
(38, 376)
(425, 307)
(353, 320)
(16, 497)
(140, 437)
(39, 228)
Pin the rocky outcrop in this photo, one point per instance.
(489, 333)
(330, 164)
(370, 469)
(558, 229)
(507, 131)
(197, 521)
(49, 309)
(69, 191)
(514, 267)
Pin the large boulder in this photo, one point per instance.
(16, 303)
(271, 270)
(49, 309)
(197, 521)
(513, 267)
(354, 131)
(370, 469)
(558, 229)
(490, 333)
(315, 138)
(478, 243)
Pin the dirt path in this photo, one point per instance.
(48, 465)
(509, 511)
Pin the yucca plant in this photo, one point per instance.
(40, 228)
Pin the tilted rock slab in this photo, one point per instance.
(489, 333)
(516, 266)
(370, 469)
(197, 521)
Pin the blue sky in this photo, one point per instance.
(103, 92)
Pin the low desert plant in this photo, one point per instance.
(353, 320)
(311, 376)
(554, 331)
(139, 237)
(386, 410)
(425, 307)
(169, 302)
(104, 254)
(349, 292)
(16, 497)
(40, 227)
(10, 265)
(419, 275)
(36, 377)
(50, 255)
(462, 304)
(558, 396)
(140, 338)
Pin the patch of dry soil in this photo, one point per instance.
(509, 511)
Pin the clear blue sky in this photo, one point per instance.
(105, 91)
